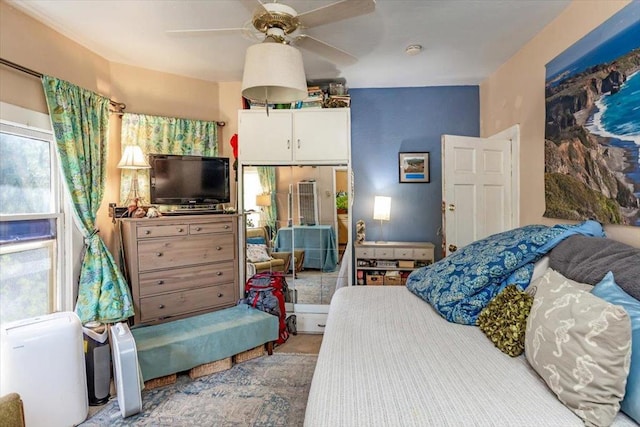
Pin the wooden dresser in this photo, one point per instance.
(180, 266)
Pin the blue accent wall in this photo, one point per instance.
(385, 122)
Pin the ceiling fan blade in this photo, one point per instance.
(335, 12)
(332, 53)
(253, 5)
(204, 31)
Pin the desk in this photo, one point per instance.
(317, 241)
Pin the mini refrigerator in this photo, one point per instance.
(42, 359)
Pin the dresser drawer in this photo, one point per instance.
(162, 230)
(155, 254)
(364, 252)
(156, 282)
(423, 253)
(176, 303)
(403, 253)
(311, 322)
(211, 227)
(383, 253)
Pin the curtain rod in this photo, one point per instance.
(119, 105)
(33, 73)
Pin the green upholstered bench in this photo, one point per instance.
(177, 346)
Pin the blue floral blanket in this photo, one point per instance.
(462, 284)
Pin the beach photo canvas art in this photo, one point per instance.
(592, 129)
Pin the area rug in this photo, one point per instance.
(267, 391)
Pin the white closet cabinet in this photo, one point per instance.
(294, 136)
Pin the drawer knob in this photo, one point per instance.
(161, 306)
(147, 231)
(158, 254)
(218, 248)
(219, 273)
(180, 230)
(321, 325)
(226, 227)
(220, 295)
(198, 228)
(160, 282)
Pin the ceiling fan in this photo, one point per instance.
(277, 22)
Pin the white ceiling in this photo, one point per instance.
(464, 41)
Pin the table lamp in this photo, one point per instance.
(263, 201)
(133, 159)
(382, 210)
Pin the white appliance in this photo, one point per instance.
(42, 359)
(125, 370)
(307, 203)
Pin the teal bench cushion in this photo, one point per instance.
(180, 345)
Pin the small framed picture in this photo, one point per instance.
(414, 167)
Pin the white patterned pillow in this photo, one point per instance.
(257, 253)
(551, 277)
(581, 346)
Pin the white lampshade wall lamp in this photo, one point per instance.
(133, 158)
(382, 211)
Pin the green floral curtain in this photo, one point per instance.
(164, 135)
(80, 121)
(267, 176)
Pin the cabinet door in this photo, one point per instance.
(321, 135)
(264, 138)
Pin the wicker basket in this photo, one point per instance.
(160, 381)
(249, 354)
(210, 368)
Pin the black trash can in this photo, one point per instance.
(97, 356)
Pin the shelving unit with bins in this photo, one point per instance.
(376, 260)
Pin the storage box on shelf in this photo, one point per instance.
(180, 266)
(389, 263)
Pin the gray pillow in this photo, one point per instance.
(589, 259)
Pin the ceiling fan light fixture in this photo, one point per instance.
(274, 72)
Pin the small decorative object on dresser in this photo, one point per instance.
(360, 231)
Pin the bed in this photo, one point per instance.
(388, 358)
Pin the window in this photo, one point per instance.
(252, 188)
(31, 221)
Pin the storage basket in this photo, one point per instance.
(406, 264)
(375, 279)
(249, 354)
(210, 368)
(392, 280)
(160, 381)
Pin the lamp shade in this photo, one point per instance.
(382, 208)
(263, 200)
(273, 72)
(133, 158)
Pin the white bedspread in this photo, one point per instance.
(388, 359)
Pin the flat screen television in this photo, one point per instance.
(189, 180)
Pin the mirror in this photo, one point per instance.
(301, 214)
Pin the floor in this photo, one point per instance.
(301, 343)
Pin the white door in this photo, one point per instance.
(477, 189)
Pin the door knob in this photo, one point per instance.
(453, 248)
(452, 207)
